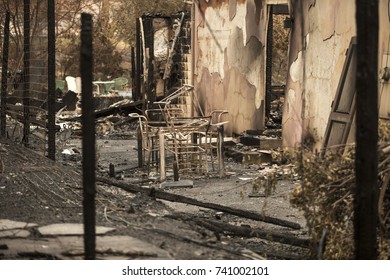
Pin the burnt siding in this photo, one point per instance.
(230, 60)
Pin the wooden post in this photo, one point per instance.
(26, 72)
(366, 195)
(221, 164)
(88, 141)
(268, 79)
(4, 75)
(51, 79)
(176, 169)
(133, 79)
(140, 147)
(138, 65)
(112, 172)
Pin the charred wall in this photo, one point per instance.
(320, 36)
(229, 57)
(156, 37)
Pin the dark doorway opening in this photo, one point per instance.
(276, 64)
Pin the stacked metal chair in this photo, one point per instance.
(170, 134)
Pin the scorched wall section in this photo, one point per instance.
(229, 49)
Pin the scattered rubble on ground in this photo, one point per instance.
(222, 227)
(255, 164)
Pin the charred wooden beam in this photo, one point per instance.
(115, 170)
(119, 109)
(255, 232)
(187, 200)
(149, 45)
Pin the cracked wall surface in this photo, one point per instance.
(229, 62)
(323, 32)
(320, 37)
(229, 58)
(292, 125)
(319, 40)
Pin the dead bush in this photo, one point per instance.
(325, 195)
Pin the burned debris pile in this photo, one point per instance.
(326, 197)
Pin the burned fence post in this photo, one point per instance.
(51, 79)
(138, 64)
(132, 73)
(26, 72)
(140, 152)
(4, 75)
(220, 130)
(366, 193)
(149, 58)
(88, 142)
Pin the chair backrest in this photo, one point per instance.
(182, 98)
(146, 130)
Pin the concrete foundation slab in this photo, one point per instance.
(178, 184)
(14, 233)
(70, 229)
(72, 247)
(6, 224)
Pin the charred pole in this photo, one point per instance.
(51, 79)
(366, 195)
(89, 141)
(26, 72)
(4, 75)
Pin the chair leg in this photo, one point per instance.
(141, 152)
(220, 130)
(162, 156)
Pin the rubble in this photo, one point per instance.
(116, 157)
(255, 147)
(250, 157)
(326, 197)
(154, 193)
